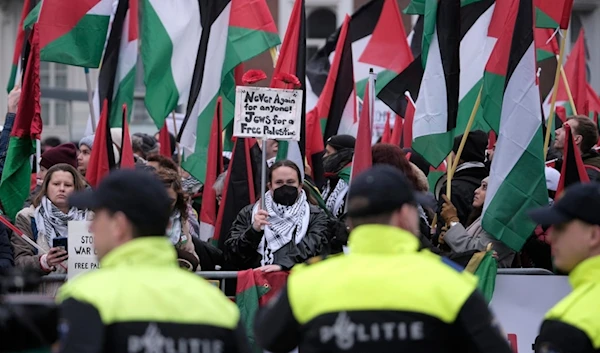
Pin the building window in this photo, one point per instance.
(56, 113)
(321, 22)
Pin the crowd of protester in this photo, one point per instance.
(292, 221)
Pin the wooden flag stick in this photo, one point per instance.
(463, 141)
(550, 123)
(274, 55)
(568, 89)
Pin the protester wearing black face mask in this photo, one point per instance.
(336, 162)
(288, 231)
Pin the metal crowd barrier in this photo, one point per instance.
(218, 278)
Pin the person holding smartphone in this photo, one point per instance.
(46, 220)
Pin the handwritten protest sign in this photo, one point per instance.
(82, 254)
(268, 113)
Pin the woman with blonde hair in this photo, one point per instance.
(46, 219)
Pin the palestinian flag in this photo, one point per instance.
(376, 27)
(573, 170)
(292, 60)
(232, 32)
(74, 32)
(517, 177)
(481, 24)
(239, 189)
(387, 130)
(593, 103)
(437, 106)
(495, 76)
(553, 13)
(102, 158)
(208, 213)
(407, 134)
(117, 75)
(485, 268)
(19, 46)
(126, 159)
(254, 290)
(363, 158)
(336, 108)
(398, 130)
(27, 127)
(576, 74)
(546, 44)
(164, 139)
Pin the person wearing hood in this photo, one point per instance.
(288, 231)
(467, 178)
(65, 153)
(85, 151)
(585, 135)
(336, 163)
(472, 236)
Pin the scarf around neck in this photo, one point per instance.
(175, 230)
(286, 224)
(52, 222)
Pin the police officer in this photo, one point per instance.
(385, 295)
(140, 300)
(573, 325)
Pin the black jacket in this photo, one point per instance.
(464, 184)
(6, 253)
(240, 247)
(592, 158)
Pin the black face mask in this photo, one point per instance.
(285, 195)
(334, 162)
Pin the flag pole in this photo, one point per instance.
(88, 86)
(463, 141)
(568, 89)
(550, 123)
(263, 174)
(38, 155)
(176, 133)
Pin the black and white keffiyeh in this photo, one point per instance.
(52, 222)
(286, 223)
(335, 199)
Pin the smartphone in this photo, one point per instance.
(60, 242)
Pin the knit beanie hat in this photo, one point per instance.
(87, 141)
(144, 143)
(65, 153)
(340, 142)
(475, 146)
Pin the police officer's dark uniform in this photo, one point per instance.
(384, 296)
(573, 325)
(140, 300)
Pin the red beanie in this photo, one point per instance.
(65, 153)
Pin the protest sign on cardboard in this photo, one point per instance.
(268, 113)
(82, 254)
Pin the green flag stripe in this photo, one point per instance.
(72, 49)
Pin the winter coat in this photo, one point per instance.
(6, 253)
(26, 256)
(474, 237)
(592, 158)
(464, 183)
(241, 247)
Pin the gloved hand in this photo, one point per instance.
(448, 213)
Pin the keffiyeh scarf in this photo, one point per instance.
(175, 231)
(190, 185)
(52, 222)
(286, 224)
(335, 199)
